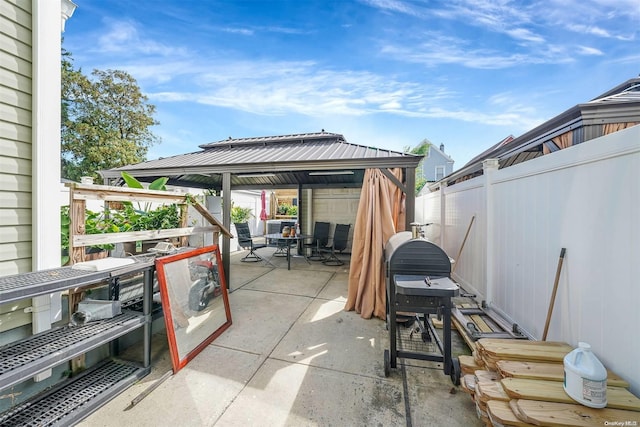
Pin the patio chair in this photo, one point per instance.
(320, 239)
(246, 241)
(339, 244)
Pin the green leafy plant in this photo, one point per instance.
(240, 214)
(122, 220)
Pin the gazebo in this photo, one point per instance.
(302, 161)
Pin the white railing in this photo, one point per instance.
(586, 199)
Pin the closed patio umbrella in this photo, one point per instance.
(380, 215)
(263, 211)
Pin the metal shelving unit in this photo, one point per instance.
(73, 399)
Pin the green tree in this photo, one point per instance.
(106, 121)
(421, 149)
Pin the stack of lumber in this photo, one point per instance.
(519, 383)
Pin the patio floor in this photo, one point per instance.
(293, 357)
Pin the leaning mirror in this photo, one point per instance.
(195, 302)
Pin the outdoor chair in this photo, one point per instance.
(246, 241)
(320, 238)
(339, 244)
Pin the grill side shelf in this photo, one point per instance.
(34, 354)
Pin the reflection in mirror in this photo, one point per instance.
(195, 302)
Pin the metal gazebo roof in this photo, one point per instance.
(307, 160)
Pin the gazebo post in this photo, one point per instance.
(226, 221)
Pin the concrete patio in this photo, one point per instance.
(293, 357)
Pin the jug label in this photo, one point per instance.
(594, 391)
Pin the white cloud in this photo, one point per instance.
(123, 37)
(586, 50)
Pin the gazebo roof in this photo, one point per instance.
(308, 159)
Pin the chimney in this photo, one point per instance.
(442, 147)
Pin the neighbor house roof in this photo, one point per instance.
(620, 104)
(309, 159)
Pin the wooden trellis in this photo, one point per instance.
(80, 193)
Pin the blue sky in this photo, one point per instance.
(384, 73)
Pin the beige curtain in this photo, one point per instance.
(615, 127)
(380, 215)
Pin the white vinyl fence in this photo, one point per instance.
(584, 198)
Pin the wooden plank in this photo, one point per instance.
(481, 324)
(500, 413)
(468, 364)
(509, 349)
(486, 376)
(572, 415)
(132, 236)
(546, 371)
(470, 343)
(112, 193)
(491, 390)
(552, 391)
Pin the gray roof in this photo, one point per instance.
(620, 104)
(274, 161)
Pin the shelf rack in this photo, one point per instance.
(73, 399)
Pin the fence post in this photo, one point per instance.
(489, 166)
(443, 214)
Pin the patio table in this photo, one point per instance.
(287, 240)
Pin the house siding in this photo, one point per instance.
(433, 159)
(15, 136)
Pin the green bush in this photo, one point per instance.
(240, 214)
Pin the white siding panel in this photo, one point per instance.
(12, 165)
(15, 200)
(14, 29)
(20, 233)
(16, 64)
(12, 315)
(15, 81)
(15, 266)
(15, 217)
(18, 11)
(14, 182)
(16, 99)
(10, 251)
(14, 47)
(14, 114)
(15, 140)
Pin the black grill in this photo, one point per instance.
(417, 281)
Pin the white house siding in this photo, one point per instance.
(15, 137)
(585, 198)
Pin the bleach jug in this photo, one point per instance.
(585, 378)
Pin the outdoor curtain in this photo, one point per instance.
(380, 215)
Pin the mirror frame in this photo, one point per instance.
(168, 301)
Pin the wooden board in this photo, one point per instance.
(481, 324)
(470, 343)
(546, 371)
(500, 412)
(552, 391)
(491, 390)
(493, 350)
(484, 375)
(468, 364)
(571, 415)
(468, 384)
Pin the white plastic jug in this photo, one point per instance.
(585, 378)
